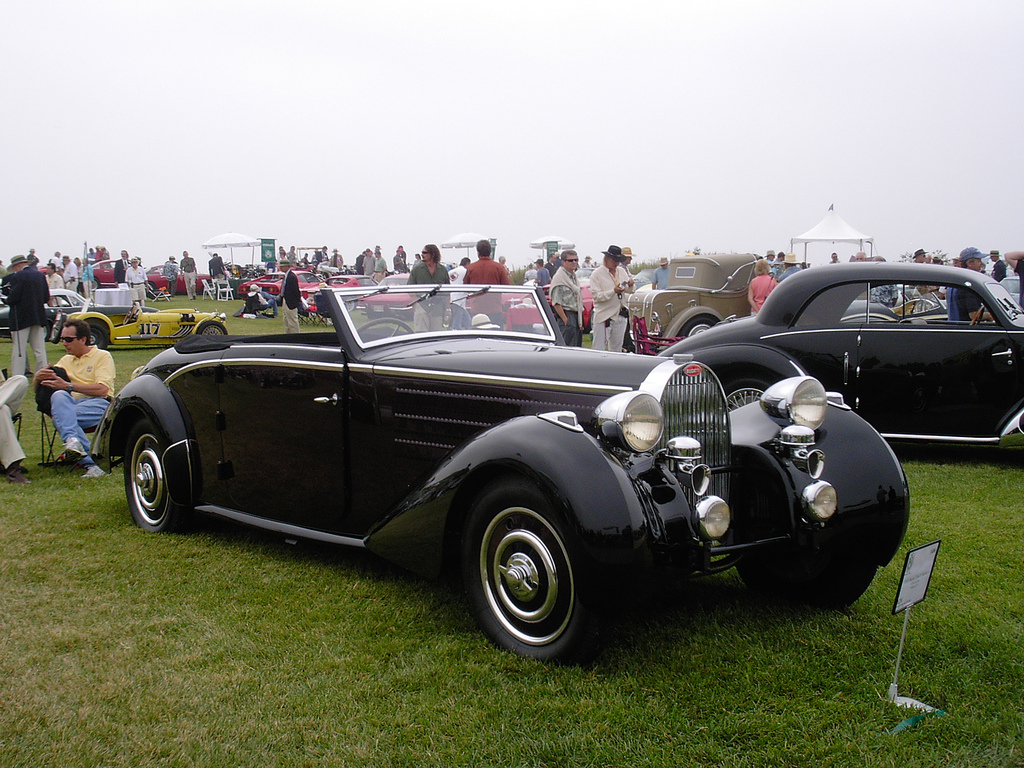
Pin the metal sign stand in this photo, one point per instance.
(917, 574)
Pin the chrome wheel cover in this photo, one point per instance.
(526, 576)
(148, 487)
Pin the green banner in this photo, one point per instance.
(267, 252)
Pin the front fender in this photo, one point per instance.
(871, 486)
(585, 484)
(147, 397)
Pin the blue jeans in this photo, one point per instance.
(71, 417)
(460, 317)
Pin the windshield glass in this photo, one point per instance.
(382, 313)
(1006, 302)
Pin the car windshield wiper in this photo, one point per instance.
(356, 299)
(428, 295)
(481, 292)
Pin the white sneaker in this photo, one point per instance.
(73, 448)
(94, 471)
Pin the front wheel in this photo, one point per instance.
(743, 391)
(833, 580)
(520, 578)
(210, 328)
(145, 482)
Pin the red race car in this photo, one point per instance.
(309, 283)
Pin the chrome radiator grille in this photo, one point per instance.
(694, 406)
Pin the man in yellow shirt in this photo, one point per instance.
(79, 403)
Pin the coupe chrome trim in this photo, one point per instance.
(279, 527)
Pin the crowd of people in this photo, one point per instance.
(76, 389)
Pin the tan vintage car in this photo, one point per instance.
(702, 291)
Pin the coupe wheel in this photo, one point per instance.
(145, 482)
(100, 335)
(833, 580)
(743, 391)
(383, 322)
(520, 578)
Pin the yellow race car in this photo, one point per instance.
(145, 327)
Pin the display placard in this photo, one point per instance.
(917, 575)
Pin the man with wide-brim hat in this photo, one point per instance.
(792, 267)
(27, 293)
(920, 256)
(609, 285)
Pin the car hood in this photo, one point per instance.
(499, 358)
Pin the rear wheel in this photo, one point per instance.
(145, 482)
(520, 577)
(697, 325)
(100, 335)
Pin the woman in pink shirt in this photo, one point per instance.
(762, 284)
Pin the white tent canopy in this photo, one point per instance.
(542, 242)
(832, 229)
(232, 240)
(463, 240)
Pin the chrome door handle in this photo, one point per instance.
(1005, 353)
(332, 400)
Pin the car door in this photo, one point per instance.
(284, 435)
(923, 374)
(824, 337)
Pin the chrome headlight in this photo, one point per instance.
(714, 517)
(631, 420)
(820, 501)
(799, 400)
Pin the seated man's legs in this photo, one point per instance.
(71, 417)
(12, 392)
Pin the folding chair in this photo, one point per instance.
(647, 343)
(224, 292)
(209, 290)
(156, 294)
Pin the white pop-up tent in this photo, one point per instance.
(232, 240)
(832, 229)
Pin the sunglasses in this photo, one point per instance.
(570, 260)
(67, 339)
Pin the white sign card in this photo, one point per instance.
(917, 575)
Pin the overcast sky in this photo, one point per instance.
(731, 125)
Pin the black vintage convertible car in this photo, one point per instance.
(558, 481)
(922, 352)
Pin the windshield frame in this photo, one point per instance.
(400, 302)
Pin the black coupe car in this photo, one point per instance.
(922, 352)
(558, 481)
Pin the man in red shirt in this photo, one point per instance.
(487, 271)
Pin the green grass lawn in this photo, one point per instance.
(229, 647)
